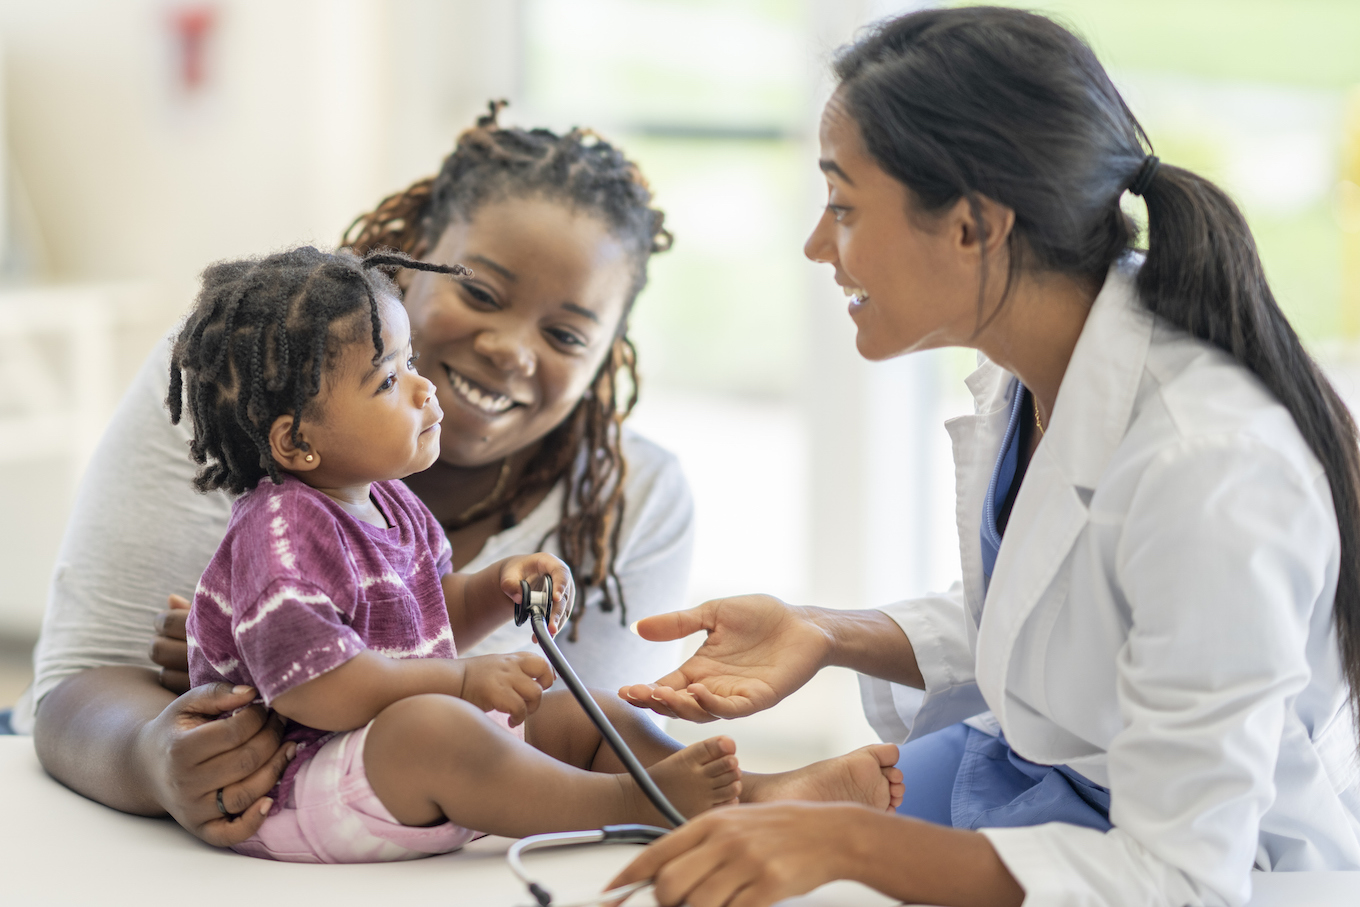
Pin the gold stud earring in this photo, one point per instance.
(310, 458)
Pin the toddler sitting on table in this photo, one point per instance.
(333, 595)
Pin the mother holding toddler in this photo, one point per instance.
(526, 359)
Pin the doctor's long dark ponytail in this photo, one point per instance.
(996, 102)
(1203, 274)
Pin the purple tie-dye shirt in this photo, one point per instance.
(299, 587)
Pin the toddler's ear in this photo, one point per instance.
(300, 457)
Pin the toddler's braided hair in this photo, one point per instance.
(256, 344)
(588, 174)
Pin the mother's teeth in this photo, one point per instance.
(486, 402)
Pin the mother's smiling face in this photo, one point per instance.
(512, 350)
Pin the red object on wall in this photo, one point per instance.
(192, 26)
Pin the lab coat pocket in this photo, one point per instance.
(1336, 750)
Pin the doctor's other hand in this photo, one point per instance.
(753, 854)
(191, 753)
(169, 648)
(758, 651)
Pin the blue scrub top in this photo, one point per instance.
(1003, 475)
(963, 777)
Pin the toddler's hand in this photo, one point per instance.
(533, 567)
(512, 684)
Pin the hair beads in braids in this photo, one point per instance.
(256, 344)
(586, 173)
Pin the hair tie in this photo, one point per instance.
(1143, 178)
(491, 119)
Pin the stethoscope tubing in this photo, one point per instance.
(610, 834)
(578, 689)
(535, 606)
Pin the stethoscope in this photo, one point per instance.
(535, 607)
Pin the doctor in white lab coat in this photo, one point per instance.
(1159, 614)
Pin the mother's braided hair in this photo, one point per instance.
(581, 170)
(256, 344)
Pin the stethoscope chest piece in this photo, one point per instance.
(529, 600)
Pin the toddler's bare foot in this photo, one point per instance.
(868, 775)
(697, 778)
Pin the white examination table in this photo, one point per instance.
(60, 848)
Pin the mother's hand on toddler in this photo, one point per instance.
(190, 756)
(170, 648)
(512, 683)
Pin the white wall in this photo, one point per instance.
(310, 112)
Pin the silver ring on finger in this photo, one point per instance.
(222, 808)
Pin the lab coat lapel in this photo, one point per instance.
(1090, 418)
(1095, 402)
(1045, 523)
(976, 441)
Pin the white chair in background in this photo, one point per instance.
(66, 354)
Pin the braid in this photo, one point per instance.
(394, 224)
(394, 261)
(313, 386)
(233, 366)
(583, 171)
(256, 403)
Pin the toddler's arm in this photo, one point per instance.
(353, 694)
(480, 602)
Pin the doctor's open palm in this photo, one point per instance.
(758, 651)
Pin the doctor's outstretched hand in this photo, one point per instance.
(758, 651)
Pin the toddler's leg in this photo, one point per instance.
(434, 757)
(563, 730)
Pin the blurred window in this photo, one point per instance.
(710, 98)
(1258, 96)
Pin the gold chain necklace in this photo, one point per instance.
(1037, 424)
(483, 507)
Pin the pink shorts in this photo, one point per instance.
(333, 816)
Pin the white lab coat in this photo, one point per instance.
(1159, 618)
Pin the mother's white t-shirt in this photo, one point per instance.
(139, 531)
